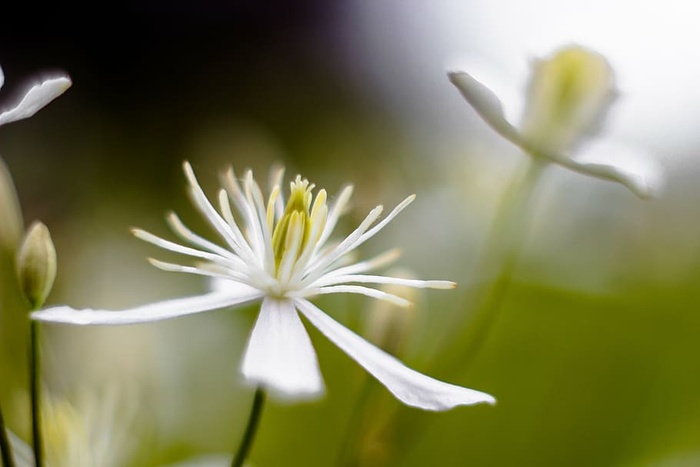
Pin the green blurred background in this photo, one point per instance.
(593, 357)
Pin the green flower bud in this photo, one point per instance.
(11, 223)
(36, 264)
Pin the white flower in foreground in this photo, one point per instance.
(568, 95)
(281, 255)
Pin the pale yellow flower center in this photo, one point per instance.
(568, 94)
(300, 224)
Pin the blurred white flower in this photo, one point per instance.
(568, 95)
(34, 99)
(280, 254)
(97, 429)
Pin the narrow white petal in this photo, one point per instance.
(2, 77)
(146, 313)
(355, 239)
(261, 237)
(186, 234)
(370, 279)
(280, 355)
(376, 262)
(356, 289)
(184, 250)
(485, 102)
(275, 183)
(250, 219)
(36, 98)
(606, 159)
(409, 386)
(215, 272)
(240, 246)
(316, 268)
(205, 207)
(334, 214)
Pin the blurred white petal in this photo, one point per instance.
(485, 102)
(36, 98)
(22, 452)
(409, 386)
(637, 170)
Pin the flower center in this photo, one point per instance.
(298, 230)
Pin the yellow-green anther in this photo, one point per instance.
(568, 94)
(271, 207)
(36, 264)
(296, 216)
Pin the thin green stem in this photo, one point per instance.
(35, 390)
(5, 447)
(348, 455)
(500, 259)
(251, 428)
(501, 256)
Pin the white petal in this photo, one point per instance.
(376, 262)
(486, 104)
(356, 238)
(36, 98)
(2, 77)
(369, 279)
(337, 210)
(319, 264)
(153, 312)
(409, 386)
(606, 159)
(356, 289)
(280, 355)
(205, 208)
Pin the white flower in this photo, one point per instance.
(568, 95)
(281, 255)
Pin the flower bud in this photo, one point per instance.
(36, 264)
(568, 95)
(11, 223)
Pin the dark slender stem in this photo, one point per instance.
(35, 389)
(249, 435)
(5, 447)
